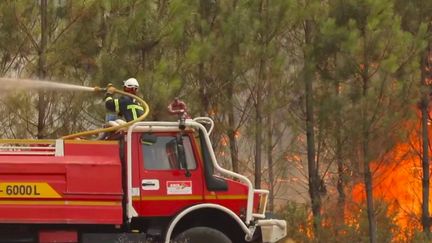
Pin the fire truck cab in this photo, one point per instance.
(177, 179)
(160, 182)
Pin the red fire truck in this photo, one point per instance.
(158, 182)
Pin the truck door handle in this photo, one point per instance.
(150, 184)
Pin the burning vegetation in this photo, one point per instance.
(397, 188)
(397, 194)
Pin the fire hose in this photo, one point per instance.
(114, 128)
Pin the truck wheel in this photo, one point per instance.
(202, 234)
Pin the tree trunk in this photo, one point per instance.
(368, 182)
(258, 98)
(365, 150)
(204, 11)
(269, 148)
(232, 129)
(369, 200)
(41, 104)
(203, 90)
(340, 164)
(258, 128)
(425, 165)
(424, 107)
(314, 180)
(270, 157)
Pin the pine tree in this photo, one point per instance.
(378, 56)
(416, 17)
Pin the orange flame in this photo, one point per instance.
(397, 180)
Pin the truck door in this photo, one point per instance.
(166, 186)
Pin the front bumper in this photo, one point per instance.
(272, 230)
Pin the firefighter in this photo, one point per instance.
(125, 106)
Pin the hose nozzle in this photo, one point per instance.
(99, 89)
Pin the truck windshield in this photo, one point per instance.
(162, 154)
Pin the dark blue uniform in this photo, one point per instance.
(124, 106)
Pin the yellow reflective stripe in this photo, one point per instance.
(108, 98)
(116, 105)
(134, 114)
(129, 107)
(189, 197)
(231, 197)
(133, 108)
(61, 202)
(27, 141)
(170, 198)
(89, 142)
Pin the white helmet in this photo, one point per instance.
(131, 83)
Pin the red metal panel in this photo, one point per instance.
(167, 199)
(166, 206)
(82, 187)
(60, 214)
(235, 198)
(94, 179)
(91, 148)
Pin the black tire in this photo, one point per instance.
(201, 235)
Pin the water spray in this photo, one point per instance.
(17, 84)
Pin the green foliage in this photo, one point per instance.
(297, 216)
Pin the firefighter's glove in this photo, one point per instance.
(110, 90)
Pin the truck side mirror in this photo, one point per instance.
(148, 138)
(182, 154)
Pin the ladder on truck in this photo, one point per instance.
(48, 147)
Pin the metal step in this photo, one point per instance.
(113, 237)
(17, 239)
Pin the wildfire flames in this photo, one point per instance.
(397, 181)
